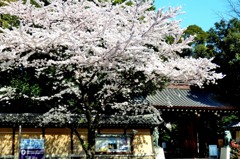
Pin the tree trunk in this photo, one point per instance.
(91, 143)
(89, 146)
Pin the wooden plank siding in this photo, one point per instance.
(63, 143)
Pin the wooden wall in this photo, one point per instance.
(61, 142)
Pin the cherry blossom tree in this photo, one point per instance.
(93, 58)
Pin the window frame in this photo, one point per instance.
(108, 140)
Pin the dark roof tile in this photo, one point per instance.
(183, 98)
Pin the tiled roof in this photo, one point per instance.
(234, 125)
(29, 119)
(183, 98)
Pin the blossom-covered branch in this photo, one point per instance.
(99, 35)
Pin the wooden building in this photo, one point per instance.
(115, 138)
(234, 128)
(192, 118)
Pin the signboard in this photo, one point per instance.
(31, 149)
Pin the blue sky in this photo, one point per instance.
(203, 13)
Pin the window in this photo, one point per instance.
(113, 144)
